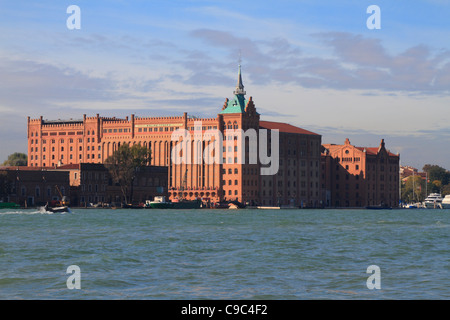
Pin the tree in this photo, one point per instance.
(439, 178)
(446, 190)
(436, 186)
(123, 166)
(436, 172)
(16, 159)
(413, 190)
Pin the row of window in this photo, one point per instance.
(347, 186)
(203, 128)
(37, 191)
(302, 173)
(349, 159)
(347, 177)
(251, 193)
(160, 129)
(302, 163)
(116, 130)
(245, 171)
(44, 141)
(89, 148)
(89, 156)
(36, 134)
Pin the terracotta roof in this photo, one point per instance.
(284, 127)
(374, 151)
(368, 150)
(371, 150)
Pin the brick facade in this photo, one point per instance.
(360, 176)
(91, 184)
(35, 186)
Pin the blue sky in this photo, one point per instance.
(311, 63)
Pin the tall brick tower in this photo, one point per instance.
(240, 174)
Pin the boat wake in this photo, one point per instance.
(40, 210)
(20, 212)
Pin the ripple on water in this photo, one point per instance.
(217, 254)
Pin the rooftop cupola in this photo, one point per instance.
(238, 104)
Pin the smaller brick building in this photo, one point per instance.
(34, 186)
(91, 184)
(359, 176)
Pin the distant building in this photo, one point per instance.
(408, 171)
(33, 186)
(359, 176)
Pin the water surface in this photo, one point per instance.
(225, 254)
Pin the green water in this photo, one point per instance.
(225, 254)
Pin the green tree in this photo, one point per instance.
(445, 190)
(16, 159)
(413, 190)
(436, 172)
(123, 166)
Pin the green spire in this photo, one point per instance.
(238, 102)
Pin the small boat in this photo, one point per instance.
(56, 209)
(433, 201)
(238, 204)
(159, 202)
(446, 202)
(220, 205)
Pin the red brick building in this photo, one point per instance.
(297, 182)
(359, 176)
(94, 139)
(91, 184)
(34, 186)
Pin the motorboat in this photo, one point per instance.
(446, 202)
(159, 202)
(433, 201)
(56, 209)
